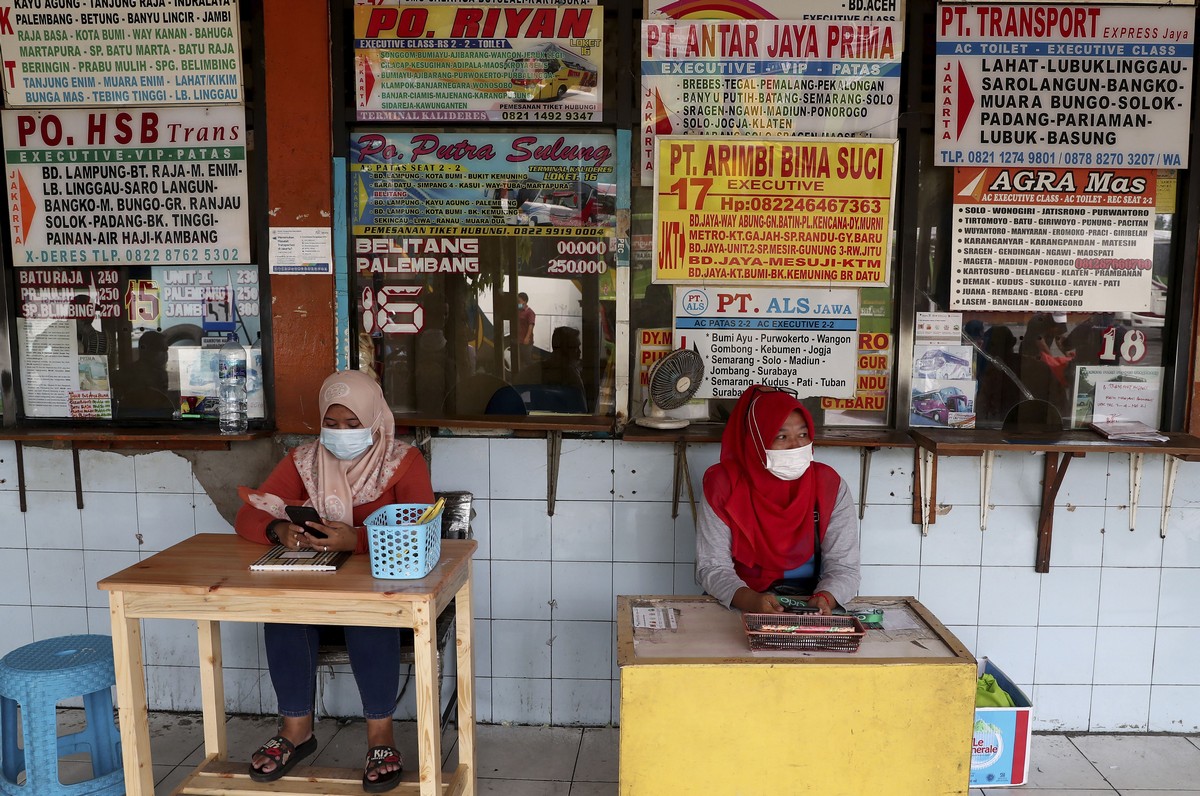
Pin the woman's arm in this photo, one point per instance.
(840, 555)
(284, 481)
(714, 561)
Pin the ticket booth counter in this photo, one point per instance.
(702, 714)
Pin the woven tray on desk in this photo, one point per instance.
(803, 632)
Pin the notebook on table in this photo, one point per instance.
(282, 558)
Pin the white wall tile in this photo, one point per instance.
(1178, 597)
(582, 530)
(8, 465)
(520, 701)
(1150, 494)
(521, 590)
(701, 456)
(891, 478)
(1017, 479)
(958, 484)
(56, 578)
(520, 530)
(517, 469)
(955, 539)
(99, 564)
(685, 534)
(643, 578)
(1011, 537)
(951, 593)
(1187, 484)
(163, 472)
(12, 530)
(174, 688)
(110, 521)
(1124, 656)
(99, 621)
(243, 690)
(1078, 536)
(106, 471)
(585, 470)
(1174, 708)
(1065, 655)
(481, 589)
(51, 621)
(17, 621)
(644, 531)
(170, 642)
(1128, 597)
(481, 527)
(886, 535)
(461, 463)
(164, 520)
(1070, 596)
(520, 649)
(483, 700)
(48, 469)
(1142, 547)
(1120, 708)
(684, 581)
(482, 638)
(239, 646)
(1181, 548)
(14, 577)
(1009, 596)
(616, 703)
(1061, 708)
(586, 702)
(582, 650)
(1013, 649)
(1080, 485)
(52, 521)
(583, 590)
(644, 471)
(207, 518)
(1175, 656)
(891, 581)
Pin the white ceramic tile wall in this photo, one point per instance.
(1104, 641)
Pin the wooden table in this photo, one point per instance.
(701, 714)
(206, 579)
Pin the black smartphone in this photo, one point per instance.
(299, 515)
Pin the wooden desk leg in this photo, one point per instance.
(464, 630)
(212, 689)
(429, 725)
(131, 698)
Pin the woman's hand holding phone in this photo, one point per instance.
(333, 535)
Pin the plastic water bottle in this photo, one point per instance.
(231, 370)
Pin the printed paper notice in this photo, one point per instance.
(654, 617)
(301, 250)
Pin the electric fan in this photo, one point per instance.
(673, 380)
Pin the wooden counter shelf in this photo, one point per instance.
(1059, 450)
(79, 438)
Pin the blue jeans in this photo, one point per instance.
(374, 659)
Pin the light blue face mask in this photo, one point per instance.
(346, 443)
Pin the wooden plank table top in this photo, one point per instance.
(206, 578)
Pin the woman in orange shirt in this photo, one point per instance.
(355, 467)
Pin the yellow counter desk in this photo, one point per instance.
(702, 714)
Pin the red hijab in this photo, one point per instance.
(771, 520)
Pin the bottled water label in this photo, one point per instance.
(231, 370)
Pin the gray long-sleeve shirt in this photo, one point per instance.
(839, 552)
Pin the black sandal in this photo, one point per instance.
(378, 756)
(275, 749)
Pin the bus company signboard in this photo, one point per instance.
(1063, 85)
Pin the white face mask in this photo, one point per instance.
(790, 464)
(346, 443)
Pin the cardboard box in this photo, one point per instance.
(1000, 748)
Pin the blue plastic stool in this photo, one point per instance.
(37, 677)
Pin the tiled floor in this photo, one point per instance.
(563, 761)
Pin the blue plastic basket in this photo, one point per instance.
(401, 549)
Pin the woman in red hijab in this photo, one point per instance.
(772, 519)
(355, 467)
